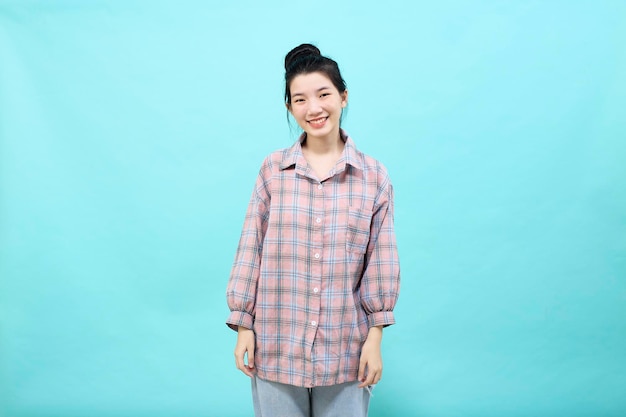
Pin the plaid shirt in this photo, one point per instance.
(316, 266)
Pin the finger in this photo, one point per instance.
(361, 375)
(250, 357)
(239, 359)
(236, 353)
(245, 369)
(375, 378)
(366, 382)
(363, 378)
(371, 376)
(239, 362)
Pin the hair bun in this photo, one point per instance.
(299, 53)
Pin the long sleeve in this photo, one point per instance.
(380, 284)
(242, 285)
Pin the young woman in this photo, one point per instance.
(316, 274)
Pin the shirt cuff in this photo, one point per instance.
(239, 318)
(381, 318)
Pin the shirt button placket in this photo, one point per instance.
(317, 247)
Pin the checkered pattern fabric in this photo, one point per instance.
(316, 266)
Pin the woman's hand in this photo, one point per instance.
(371, 363)
(245, 345)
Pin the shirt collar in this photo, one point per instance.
(349, 156)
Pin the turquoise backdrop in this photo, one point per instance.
(131, 133)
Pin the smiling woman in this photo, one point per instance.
(130, 132)
(316, 274)
(317, 106)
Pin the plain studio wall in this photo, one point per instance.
(131, 133)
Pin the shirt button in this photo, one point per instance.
(317, 256)
(320, 186)
(318, 220)
(316, 290)
(313, 323)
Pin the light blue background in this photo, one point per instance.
(131, 133)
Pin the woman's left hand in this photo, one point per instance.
(371, 363)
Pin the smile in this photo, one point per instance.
(318, 122)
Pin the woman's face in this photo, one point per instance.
(316, 104)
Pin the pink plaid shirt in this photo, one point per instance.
(316, 266)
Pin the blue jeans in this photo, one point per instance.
(272, 399)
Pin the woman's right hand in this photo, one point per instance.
(245, 345)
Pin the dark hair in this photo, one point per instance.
(305, 59)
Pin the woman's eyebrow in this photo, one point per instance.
(317, 91)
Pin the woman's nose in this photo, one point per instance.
(314, 107)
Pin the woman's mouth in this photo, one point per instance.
(317, 123)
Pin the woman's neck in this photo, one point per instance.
(322, 154)
(329, 145)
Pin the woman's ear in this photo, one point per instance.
(344, 98)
